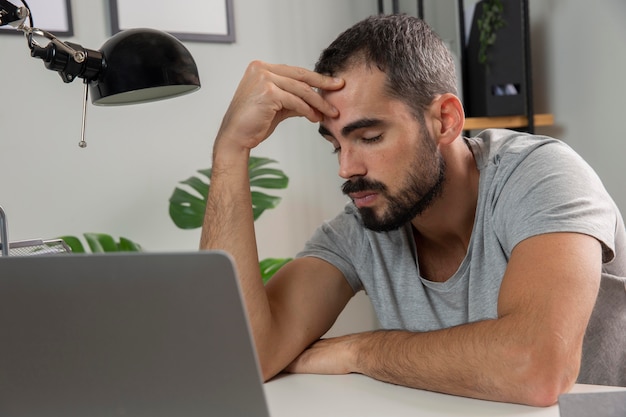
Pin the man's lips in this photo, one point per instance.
(363, 192)
(363, 198)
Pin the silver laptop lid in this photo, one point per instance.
(125, 335)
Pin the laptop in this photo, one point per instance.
(125, 334)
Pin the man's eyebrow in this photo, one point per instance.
(351, 127)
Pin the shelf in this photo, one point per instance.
(476, 123)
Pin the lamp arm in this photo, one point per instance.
(10, 13)
(70, 60)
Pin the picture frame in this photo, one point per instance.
(189, 20)
(54, 16)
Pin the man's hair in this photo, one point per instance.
(417, 63)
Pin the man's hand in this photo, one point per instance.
(269, 94)
(334, 356)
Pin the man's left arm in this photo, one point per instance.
(530, 354)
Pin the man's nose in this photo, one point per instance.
(350, 163)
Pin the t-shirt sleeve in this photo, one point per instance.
(552, 189)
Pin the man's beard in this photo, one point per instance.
(413, 199)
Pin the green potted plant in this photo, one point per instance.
(101, 242)
(187, 203)
(488, 24)
(187, 207)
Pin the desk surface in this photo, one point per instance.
(357, 395)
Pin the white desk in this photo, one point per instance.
(360, 396)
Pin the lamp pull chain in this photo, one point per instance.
(82, 142)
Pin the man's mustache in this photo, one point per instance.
(362, 184)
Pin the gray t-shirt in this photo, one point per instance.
(528, 185)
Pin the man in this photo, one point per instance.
(483, 257)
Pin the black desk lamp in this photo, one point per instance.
(133, 66)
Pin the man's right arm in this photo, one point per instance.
(305, 297)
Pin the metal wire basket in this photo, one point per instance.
(29, 247)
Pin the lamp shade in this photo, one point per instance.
(141, 65)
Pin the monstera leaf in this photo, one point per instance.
(101, 242)
(187, 204)
(269, 266)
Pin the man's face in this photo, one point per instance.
(390, 160)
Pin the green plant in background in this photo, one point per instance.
(488, 24)
(101, 242)
(187, 208)
(269, 266)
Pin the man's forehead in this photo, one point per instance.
(363, 96)
(359, 78)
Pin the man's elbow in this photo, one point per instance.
(548, 375)
(268, 373)
(546, 392)
(269, 368)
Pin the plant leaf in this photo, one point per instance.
(206, 172)
(264, 201)
(127, 245)
(185, 198)
(74, 243)
(268, 178)
(269, 267)
(187, 208)
(256, 162)
(488, 23)
(198, 186)
(100, 242)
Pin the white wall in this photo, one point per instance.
(121, 182)
(579, 60)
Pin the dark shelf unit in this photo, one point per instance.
(530, 117)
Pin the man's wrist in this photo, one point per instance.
(227, 153)
(356, 353)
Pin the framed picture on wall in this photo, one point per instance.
(189, 20)
(54, 16)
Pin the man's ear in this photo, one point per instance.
(448, 118)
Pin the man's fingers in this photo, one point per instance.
(290, 105)
(312, 78)
(269, 93)
(304, 84)
(308, 94)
